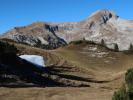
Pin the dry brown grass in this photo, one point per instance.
(55, 93)
(105, 74)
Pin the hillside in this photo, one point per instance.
(18, 71)
(88, 65)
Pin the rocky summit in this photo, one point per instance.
(103, 25)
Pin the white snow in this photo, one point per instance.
(35, 59)
(98, 54)
(93, 48)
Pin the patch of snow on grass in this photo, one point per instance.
(93, 48)
(35, 59)
(99, 54)
(90, 48)
(107, 61)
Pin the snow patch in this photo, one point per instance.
(99, 54)
(93, 48)
(35, 59)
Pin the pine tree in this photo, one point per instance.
(131, 47)
(103, 43)
(116, 48)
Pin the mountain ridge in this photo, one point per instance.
(101, 25)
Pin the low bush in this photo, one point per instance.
(126, 91)
(5, 47)
(76, 42)
(82, 41)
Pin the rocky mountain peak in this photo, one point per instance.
(103, 14)
(98, 18)
(101, 25)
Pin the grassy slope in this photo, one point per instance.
(82, 56)
(110, 67)
(57, 68)
(105, 74)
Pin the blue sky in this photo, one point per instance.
(23, 12)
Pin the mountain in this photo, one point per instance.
(82, 62)
(101, 25)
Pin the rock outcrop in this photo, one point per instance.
(101, 25)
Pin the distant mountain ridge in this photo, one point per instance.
(101, 25)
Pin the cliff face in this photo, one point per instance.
(36, 34)
(101, 25)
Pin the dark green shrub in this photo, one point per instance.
(129, 78)
(121, 94)
(116, 48)
(126, 92)
(103, 43)
(82, 41)
(130, 49)
(76, 42)
(7, 48)
(129, 82)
